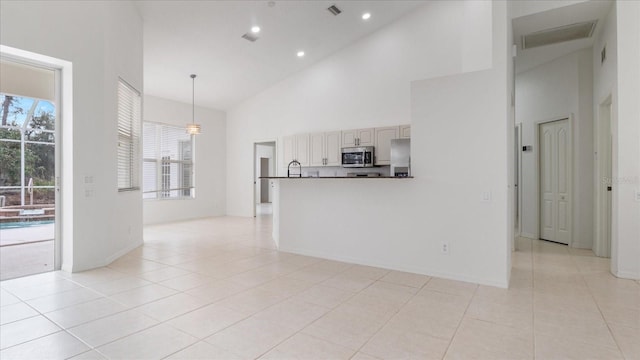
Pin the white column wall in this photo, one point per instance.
(619, 77)
(459, 119)
(626, 205)
(103, 40)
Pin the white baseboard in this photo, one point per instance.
(529, 235)
(626, 275)
(122, 252)
(579, 245)
(443, 275)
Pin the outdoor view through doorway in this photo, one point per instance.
(27, 172)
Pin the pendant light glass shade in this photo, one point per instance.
(193, 128)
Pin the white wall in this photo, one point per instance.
(554, 90)
(626, 171)
(103, 40)
(363, 85)
(210, 162)
(459, 131)
(619, 76)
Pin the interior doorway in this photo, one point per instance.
(555, 172)
(265, 171)
(604, 184)
(264, 166)
(29, 170)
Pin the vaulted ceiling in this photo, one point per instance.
(572, 13)
(205, 38)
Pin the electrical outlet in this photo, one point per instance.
(637, 195)
(485, 196)
(444, 248)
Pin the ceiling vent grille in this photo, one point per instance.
(250, 37)
(560, 34)
(334, 10)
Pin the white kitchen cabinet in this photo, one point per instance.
(316, 149)
(302, 149)
(288, 150)
(333, 149)
(358, 137)
(405, 131)
(383, 137)
(296, 147)
(324, 149)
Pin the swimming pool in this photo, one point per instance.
(24, 224)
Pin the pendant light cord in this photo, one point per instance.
(193, 98)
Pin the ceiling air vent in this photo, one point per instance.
(334, 10)
(250, 37)
(560, 34)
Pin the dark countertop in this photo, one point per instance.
(337, 177)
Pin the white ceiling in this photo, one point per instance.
(566, 15)
(204, 38)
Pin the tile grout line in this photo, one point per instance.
(533, 300)
(615, 341)
(392, 316)
(252, 315)
(331, 309)
(475, 291)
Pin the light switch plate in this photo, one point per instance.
(485, 196)
(637, 195)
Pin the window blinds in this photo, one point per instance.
(129, 118)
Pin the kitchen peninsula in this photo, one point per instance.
(302, 223)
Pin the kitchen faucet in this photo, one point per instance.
(294, 162)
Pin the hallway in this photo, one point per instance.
(216, 288)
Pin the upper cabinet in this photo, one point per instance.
(358, 137)
(384, 135)
(296, 147)
(405, 131)
(324, 149)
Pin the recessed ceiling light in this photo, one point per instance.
(366, 16)
(255, 29)
(300, 53)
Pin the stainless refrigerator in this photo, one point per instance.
(401, 157)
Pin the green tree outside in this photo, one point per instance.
(39, 158)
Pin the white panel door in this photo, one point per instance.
(366, 137)
(405, 131)
(349, 138)
(383, 144)
(302, 149)
(555, 181)
(333, 146)
(288, 149)
(563, 233)
(316, 149)
(547, 213)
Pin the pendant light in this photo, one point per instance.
(193, 128)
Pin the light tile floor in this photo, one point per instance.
(217, 289)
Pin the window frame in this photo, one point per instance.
(161, 164)
(129, 129)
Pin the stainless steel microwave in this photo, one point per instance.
(361, 156)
